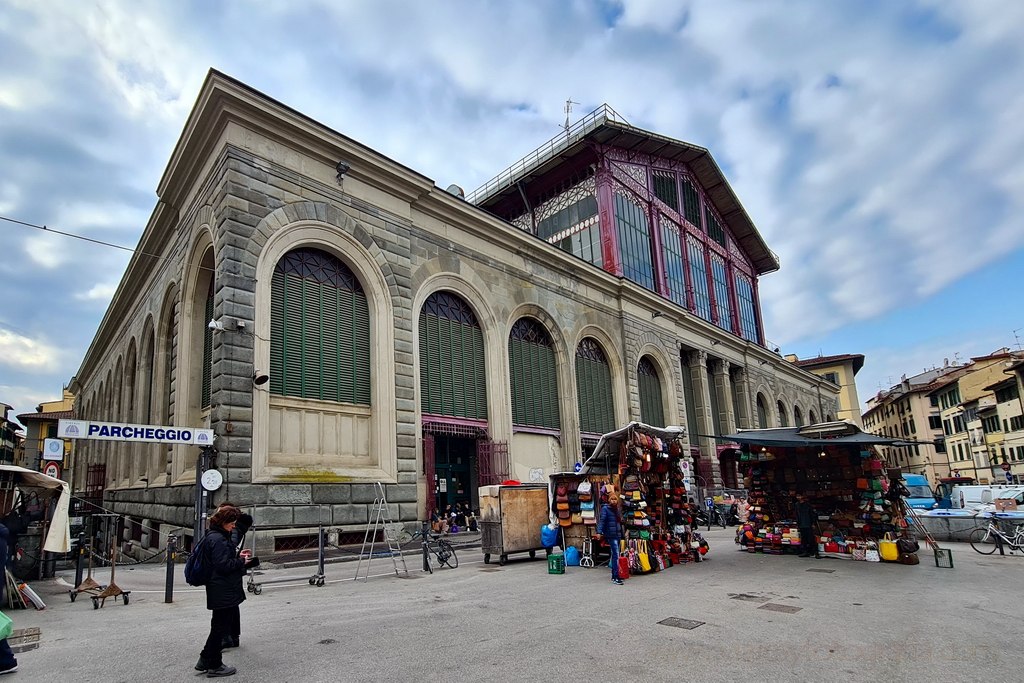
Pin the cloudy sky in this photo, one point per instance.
(876, 145)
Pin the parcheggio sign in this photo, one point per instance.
(119, 431)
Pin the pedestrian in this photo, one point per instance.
(224, 591)
(609, 527)
(242, 527)
(806, 518)
(8, 664)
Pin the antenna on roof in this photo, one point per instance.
(1017, 338)
(568, 110)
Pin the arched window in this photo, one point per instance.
(811, 417)
(783, 417)
(453, 380)
(762, 413)
(594, 388)
(319, 329)
(798, 417)
(534, 375)
(652, 407)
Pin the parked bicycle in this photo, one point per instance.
(988, 539)
(440, 551)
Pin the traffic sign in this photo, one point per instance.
(709, 502)
(577, 467)
(52, 469)
(53, 449)
(1006, 467)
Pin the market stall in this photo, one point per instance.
(652, 473)
(509, 518)
(841, 482)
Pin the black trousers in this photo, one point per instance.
(808, 544)
(223, 622)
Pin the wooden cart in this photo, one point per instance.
(510, 520)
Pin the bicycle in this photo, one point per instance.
(436, 547)
(986, 540)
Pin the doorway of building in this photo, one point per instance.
(455, 471)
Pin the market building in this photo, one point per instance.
(417, 338)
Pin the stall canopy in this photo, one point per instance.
(605, 458)
(824, 434)
(58, 539)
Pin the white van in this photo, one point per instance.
(973, 497)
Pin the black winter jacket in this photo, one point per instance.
(224, 589)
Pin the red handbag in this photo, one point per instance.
(623, 567)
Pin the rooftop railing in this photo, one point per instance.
(563, 140)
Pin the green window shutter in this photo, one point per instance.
(319, 330)
(452, 378)
(594, 388)
(534, 374)
(652, 410)
(208, 351)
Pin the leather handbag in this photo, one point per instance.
(887, 549)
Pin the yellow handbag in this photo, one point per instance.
(645, 559)
(888, 550)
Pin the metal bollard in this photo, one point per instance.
(426, 557)
(172, 552)
(79, 560)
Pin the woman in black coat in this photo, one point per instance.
(224, 591)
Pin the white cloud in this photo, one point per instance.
(102, 291)
(48, 250)
(26, 354)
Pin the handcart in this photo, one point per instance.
(255, 585)
(510, 520)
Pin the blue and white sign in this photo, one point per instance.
(579, 466)
(117, 431)
(709, 502)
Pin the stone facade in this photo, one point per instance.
(250, 180)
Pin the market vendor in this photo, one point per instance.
(806, 517)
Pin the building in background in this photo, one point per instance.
(909, 411)
(9, 438)
(971, 426)
(418, 338)
(42, 425)
(840, 370)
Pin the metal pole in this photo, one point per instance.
(202, 464)
(172, 551)
(79, 558)
(426, 558)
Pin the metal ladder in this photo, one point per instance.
(380, 520)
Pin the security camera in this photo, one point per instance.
(342, 168)
(215, 325)
(259, 377)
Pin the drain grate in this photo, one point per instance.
(24, 639)
(490, 570)
(749, 598)
(773, 607)
(822, 571)
(688, 624)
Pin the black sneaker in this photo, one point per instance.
(9, 669)
(202, 665)
(617, 582)
(220, 671)
(229, 642)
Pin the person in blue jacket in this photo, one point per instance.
(609, 527)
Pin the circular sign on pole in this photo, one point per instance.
(577, 467)
(211, 480)
(52, 469)
(1006, 467)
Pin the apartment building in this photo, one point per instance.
(840, 370)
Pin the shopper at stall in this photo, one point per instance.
(224, 591)
(8, 664)
(609, 527)
(805, 519)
